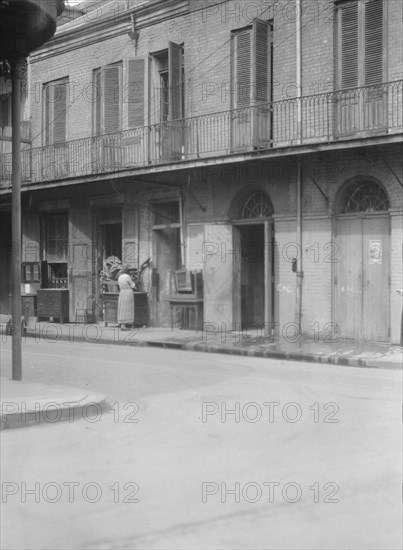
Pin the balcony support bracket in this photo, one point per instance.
(319, 187)
(203, 208)
(389, 166)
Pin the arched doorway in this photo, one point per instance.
(252, 217)
(362, 282)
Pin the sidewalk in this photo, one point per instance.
(26, 404)
(250, 343)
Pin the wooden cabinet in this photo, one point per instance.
(186, 299)
(110, 307)
(52, 302)
(28, 305)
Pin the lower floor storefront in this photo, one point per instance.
(223, 249)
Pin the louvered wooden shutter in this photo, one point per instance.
(59, 112)
(373, 42)
(175, 81)
(97, 99)
(242, 82)
(136, 92)
(111, 93)
(261, 64)
(349, 46)
(47, 102)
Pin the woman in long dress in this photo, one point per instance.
(126, 313)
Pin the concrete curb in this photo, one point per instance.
(51, 412)
(324, 358)
(250, 351)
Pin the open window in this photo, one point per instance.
(167, 101)
(167, 84)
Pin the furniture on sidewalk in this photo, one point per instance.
(186, 299)
(53, 303)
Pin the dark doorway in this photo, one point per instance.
(252, 276)
(113, 240)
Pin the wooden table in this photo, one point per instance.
(186, 304)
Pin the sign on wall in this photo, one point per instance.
(375, 252)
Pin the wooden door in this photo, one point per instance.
(362, 278)
(82, 300)
(376, 286)
(349, 278)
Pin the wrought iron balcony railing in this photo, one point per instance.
(324, 118)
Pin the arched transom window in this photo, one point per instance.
(258, 205)
(366, 197)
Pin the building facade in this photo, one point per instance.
(256, 142)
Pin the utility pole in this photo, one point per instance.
(17, 64)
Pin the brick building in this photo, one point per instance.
(256, 142)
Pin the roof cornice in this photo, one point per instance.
(68, 39)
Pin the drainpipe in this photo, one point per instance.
(298, 81)
(300, 274)
(182, 232)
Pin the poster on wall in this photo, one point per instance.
(375, 252)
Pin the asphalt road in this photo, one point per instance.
(205, 451)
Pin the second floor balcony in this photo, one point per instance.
(316, 119)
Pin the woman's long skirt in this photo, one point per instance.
(126, 307)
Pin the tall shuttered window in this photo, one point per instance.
(119, 96)
(108, 99)
(55, 104)
(136, 75)
(361, 43)
(251, 64)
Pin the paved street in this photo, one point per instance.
(204, 451)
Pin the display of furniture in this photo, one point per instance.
(53, 303)
(186, 299)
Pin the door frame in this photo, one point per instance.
(269, 274)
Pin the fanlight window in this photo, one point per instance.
(365, 197)
(258, 205)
